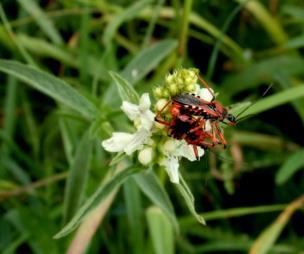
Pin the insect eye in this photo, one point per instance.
(231, 118)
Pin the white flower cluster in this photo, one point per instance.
(142, 140)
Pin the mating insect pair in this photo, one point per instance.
(196, 120)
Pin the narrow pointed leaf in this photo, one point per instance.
(189, 199)
(161, 231)
(77, 177)
(49, 85)
(290, 167)
(150, 185)
(126, 91)
(99, 195)
(266, 240)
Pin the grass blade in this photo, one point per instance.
(290, 167)
(50, 85)
(132, 196)
(268, 237)
(77, 177)
(99, 195)
(144, 62)
(42, 20)
(161, 231)
(127, 14)
(9, 113)
(89, 226)
(150, 185)
(147, 59)
(276, 100)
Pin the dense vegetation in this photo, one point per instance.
(66, 67)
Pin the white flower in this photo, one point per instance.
(143, 120)
(204, 93)
(140, 114)
(173, 150)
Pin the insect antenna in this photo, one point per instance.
(252, 104)
(206, 85)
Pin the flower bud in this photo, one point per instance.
(190, 87)
(145, 156)
(157, 92)
(173, 89)
(169, 146)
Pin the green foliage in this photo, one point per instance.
(161, 231)
(66, 67)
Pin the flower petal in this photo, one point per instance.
(171, 166)
(137, 141)
(144, 102)
(204, 93)
(188, 152)
(182, 149)
(147, 119)
(117, 142)
(130, 109)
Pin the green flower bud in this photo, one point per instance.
(173, 89)
(145, 156)
(157, 91)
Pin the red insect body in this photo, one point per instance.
(189, 114)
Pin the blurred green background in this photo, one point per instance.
(51, 159)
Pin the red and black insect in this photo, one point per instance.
(191, 129)
(189, 116)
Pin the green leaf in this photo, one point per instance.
(189, 199)
(134, 209)
(189, 221)
(267, 238)
(276, 100)
(294, 43)
(77, 177)
(127, 14)
(44, 48)
(50, 85)
(37, 225)
(290, 167)
(261, 72)
(9, 109)
(147, 59)
(150, 185)
(161, 231)
(266, 19)
(126, 91)
(42, 20)
(144, 62)
(99, 195)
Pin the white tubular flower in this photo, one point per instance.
(171, 165)
(173, 150)
(143, 118)
(140, 114)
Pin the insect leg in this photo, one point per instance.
(220, 134)
(195, 152)
(158, 118)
